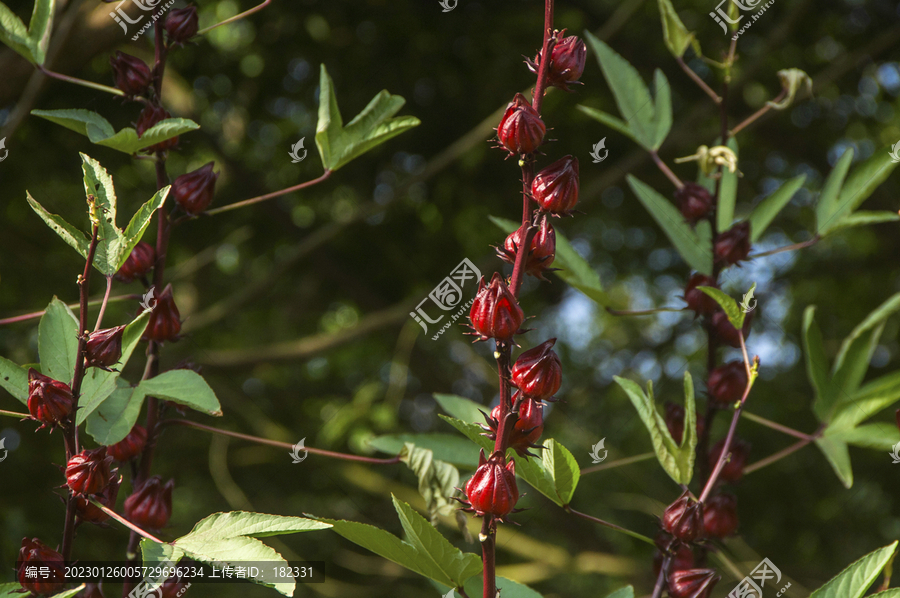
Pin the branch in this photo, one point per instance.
(777, 456)
(776, 426)
(802, 245)
(243, 15)
(618, 528)
(666, 170)
(618, 463)
(38, 314)
(125, 522)
(700, 82)
(255, 200)
(753, 117)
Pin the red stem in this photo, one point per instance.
(487, 537)
(274, 194)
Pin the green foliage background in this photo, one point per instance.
(321, 345)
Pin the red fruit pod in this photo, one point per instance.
(684, 518)
(88, 472)
(694, 201)
(555, 188)
(538, 372)
(720, 518)
(138, 264)
(521, 130)
(495, 312)
(727, 383)
(182, 24)
(49, 401)
(528, 427)
(103, 348)
(733, 245)
(542, 251)
(696, 299)
(150, 505)
(727, 333)
(150, 117)
(194, 191)
(733, 470)
(88, 511)
(165, 321)
(132, 74)
(567, 62)
(34, 561)
(129, 447)
(492, 489)
(692, 583)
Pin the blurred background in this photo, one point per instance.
(298, 309)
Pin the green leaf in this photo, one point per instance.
(609, 120)
(676, 460)
(426, 552)
(648, 122)
(626, 592)
(231, 538)
(14, 34)
(764, 213)
(461, 408)
(12, 589)
(864, 218)
(58, 341)
(894, 593)
(817, 365)
(446, 447)
(555, 475)
(116, 416)
(836, 452)
(880, 436)
(99, 131)
(437, 480)
(14, 378)
(139, 222)
(853, 581)
(696, 252)
(867, 401)
(863, 181)
(675, 34)
(471, 431)
(728, 193)
(827, 209)
(30, 43)
(99, 384)
(71, 235)
(111, 243)
(574, 269)
(338, 144)
(507, 588)
(735, 314)
(185, 387)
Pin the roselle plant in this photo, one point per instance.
(77, 388)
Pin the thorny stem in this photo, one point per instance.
(125, 522)
(282, 445)
(700, 82)
(793, 247)
(109, 280)
(70, 429)
(753, 117)
(666, 170)
(37, 314)
(255, 200)
(609, 525)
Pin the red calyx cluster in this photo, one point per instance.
(675, 421)
(555, 188)
(140, 261)
(541, 253)
(150, 505)
(88, 472)
(165, 321)
(194, 191)
(35, 553)
(49, 401)
(521, 130)
(694, 201)
(150, 117)
(131, 73)
(495, 312)
(129, 447)
(492, 490)
(103, 348)
(683, 519)
(566, 62)
(727, 383)
(182, 24)
(87, 511)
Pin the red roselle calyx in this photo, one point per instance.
(33, 555)
(566, 64)
(733, 470)
(675, 421)
(541, 253)
(88, 472)
(692, 583)
(696, 299)
(495, 312)
(49, 401)
(194, 191)
(694, 201)
(182, 24)
(139, 262)
(87, 511)
(528, 427)
(129, 447)
(720, 518)
(103, 348)
(521, 130)
(727, 333)
(555, 188)
(727, 383)
(733, 245)
(165, 321)
(684, 518)
(150, 117)
(492, 489)
(132, 74)
(538, 372)
(150, 505)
